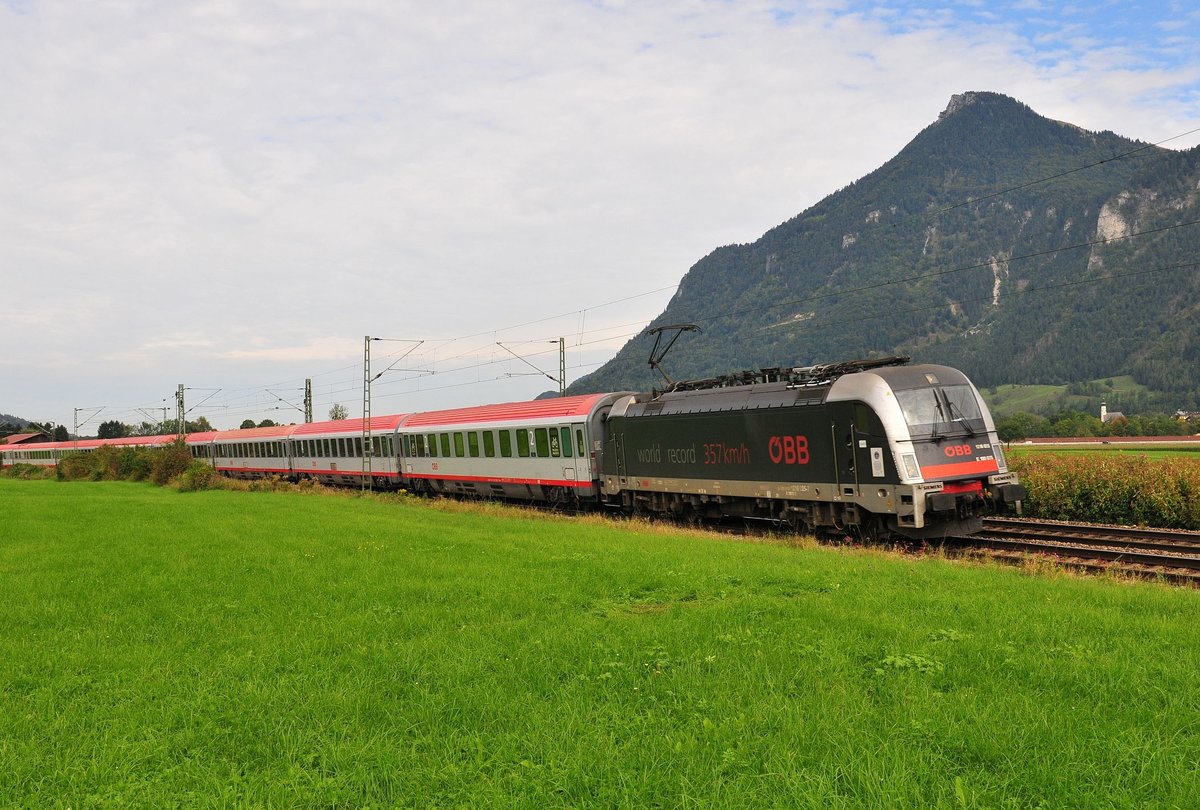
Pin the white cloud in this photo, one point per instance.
(194, 191)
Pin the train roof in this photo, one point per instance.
(538, 409)
(379, 424)
(252, 434)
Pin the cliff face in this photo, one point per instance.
(953, 252)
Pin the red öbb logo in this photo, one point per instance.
(957, 450)
(788, 449)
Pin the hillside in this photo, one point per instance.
(940, 253)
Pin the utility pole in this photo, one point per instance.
(308, 401)
(368, 378)
(366, 412)
(562, 367)
(179, 411)
(78, 424)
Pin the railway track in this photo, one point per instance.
(1166, 554)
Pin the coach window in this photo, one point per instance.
(358, 447)
(542, 443)
(523, 443)
(444, 442)
(489, 443)
(565, 433)
(473, 444)
(431, 439)
(579, 441)
(458, 445)
(505, 444)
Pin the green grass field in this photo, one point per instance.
(279, 649)
(1158, 452)
(1005, 400)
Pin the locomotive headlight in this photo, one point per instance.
(911, 470)
(1001, 462)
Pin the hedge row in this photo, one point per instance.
(1112, 489)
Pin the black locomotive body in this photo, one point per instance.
(909, 450)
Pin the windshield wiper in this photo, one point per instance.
(934, 434)
(961, 418)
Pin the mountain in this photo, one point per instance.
(997, 240)
(15, 421)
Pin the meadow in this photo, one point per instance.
(225, 648)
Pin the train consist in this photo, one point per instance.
(868, 447)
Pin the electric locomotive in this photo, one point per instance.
(867, 447)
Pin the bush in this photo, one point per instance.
(28, 472)
(199, 475)
(170, 462)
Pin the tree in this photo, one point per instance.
(247, 424)
(113, 430)
(266, 423)
(60, 434)
(1021, 425)
(201, 425)
(338, 411)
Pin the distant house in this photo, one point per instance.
(1106, 417)
(26, 438)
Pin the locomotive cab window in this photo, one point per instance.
(940, 409)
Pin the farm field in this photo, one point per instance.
(1156, 451)
(283, 649)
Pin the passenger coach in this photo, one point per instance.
(544, 450)
(332, 452)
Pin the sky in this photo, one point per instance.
(232, 195)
